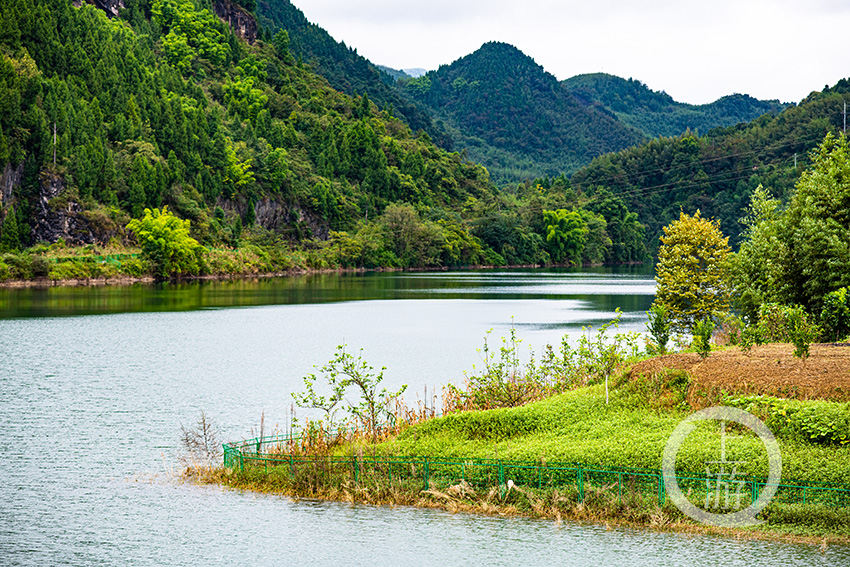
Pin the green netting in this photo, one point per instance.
(585, 482)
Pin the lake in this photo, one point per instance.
(96, 382)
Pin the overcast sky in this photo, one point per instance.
(695, 51)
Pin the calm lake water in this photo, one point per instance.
(95, 383)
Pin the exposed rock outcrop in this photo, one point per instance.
(10, 179)
(238, 18)
(111, 7)
(281, 218)
(56, 219)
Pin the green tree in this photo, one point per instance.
(755, 269)
(658, 325)
(281, 45)
(566, 233)
(9, 238)
(692, 271)
(166, 243)
(816, 228)
(345, 371)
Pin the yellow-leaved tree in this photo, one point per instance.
(692, 273)
(166, 243)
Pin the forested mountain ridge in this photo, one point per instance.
(166, 106)
(514, 117)
(520, 127)
(657, 114)
(717, 172)
(343, 67)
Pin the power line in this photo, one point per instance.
(661, 171)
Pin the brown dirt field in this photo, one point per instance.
(767, 369)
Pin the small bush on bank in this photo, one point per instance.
(835, 317)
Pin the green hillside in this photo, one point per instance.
(345, 70)
(165, 106)
(154, 112)
(509, 114)
(717, 172)
(657, 114)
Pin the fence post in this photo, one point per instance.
(426, 473)
(660, 491)
(620, 488)
(241, 462)
(501, 479)
(580, 484)
(291, 467)
(356, 469)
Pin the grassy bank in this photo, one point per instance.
(574, 427)
(116, 264)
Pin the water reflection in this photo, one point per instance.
(92, 406)
(597, 286)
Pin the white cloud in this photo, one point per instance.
(696, 51)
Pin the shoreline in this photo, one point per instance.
(126, 280)
(659, 520)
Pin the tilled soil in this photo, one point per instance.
(767, 369)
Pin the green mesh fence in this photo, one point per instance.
(583, 481)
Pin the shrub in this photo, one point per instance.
(816, 421)
(800, 330)
(166, 243)
(39, 266)
(659, 327)
(702, 336)
(783, 324)
(835, 317)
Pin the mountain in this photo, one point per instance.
(343, 67)
(509, 114)
(396, 74)
(415, 71)
(171, 108)
(717, 172)
(656, 113)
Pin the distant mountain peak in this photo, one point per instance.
(416, 72)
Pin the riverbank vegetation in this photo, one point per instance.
(165, 106)
(617, 444)
(608, 407)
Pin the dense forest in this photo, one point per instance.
(344, 68)
(166, 107)
(504, 109)
(517, 119)
(657, 114)
(717, 173)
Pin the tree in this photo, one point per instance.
(816, 228)
(281, 45)
(9, 237)
(341, 373)
(166, 243)
(692, 271)
(755, 269)
(566, 233)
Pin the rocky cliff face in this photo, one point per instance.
(111, 7)
(278, 217)
(55, 219)
(10, 179)
(238, 18)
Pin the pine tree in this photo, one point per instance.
(9, 238)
